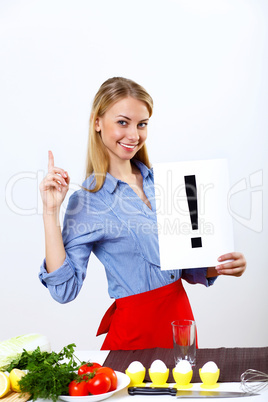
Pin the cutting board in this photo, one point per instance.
(15, 397)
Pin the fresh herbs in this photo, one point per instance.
(10, 350)
(49, 374)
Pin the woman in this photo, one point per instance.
(114, 216)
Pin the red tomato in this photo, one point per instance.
(88, 368)
(111, 374)
(100, 384)
(78, 388)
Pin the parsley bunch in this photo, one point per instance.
(49, 374)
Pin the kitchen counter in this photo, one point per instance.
(104, 356)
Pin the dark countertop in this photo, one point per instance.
(232, 362)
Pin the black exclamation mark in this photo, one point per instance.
(191, 192)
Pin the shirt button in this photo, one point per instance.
(172, 276)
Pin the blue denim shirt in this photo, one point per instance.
(121, 230)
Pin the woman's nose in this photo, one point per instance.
(133, 134)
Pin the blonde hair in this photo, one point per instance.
(111, 91)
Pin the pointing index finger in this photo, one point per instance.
(50, 161)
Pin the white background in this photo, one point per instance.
(205, 65)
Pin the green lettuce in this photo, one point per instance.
(11, 349)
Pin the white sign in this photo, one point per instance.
(194, 225)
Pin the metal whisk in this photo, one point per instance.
(253, 380)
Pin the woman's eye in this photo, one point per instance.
(142, 125)
(122, 122)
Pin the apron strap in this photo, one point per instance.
(106, 320)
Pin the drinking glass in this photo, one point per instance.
(184, 341)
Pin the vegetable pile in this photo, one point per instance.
(11, 349)
(51, 374)
(93, 379)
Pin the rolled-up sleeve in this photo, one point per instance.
(81, 229)
(197, 275)
(61, 275)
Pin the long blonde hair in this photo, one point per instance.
(111, 91)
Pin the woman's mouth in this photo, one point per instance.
(127, 146)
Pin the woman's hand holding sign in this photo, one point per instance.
(235, 265)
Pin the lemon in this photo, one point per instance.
(15, 376)
(4, 384)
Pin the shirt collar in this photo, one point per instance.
(111, 182)
(145, 171)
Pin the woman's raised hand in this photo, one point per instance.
(54, 187)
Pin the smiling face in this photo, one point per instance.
(123, 128)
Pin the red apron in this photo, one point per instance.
(143, 321)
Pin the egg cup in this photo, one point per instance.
(159, 379)
(183, 379)
(209, 380)
(136, 379)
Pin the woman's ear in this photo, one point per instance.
(97, 125)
